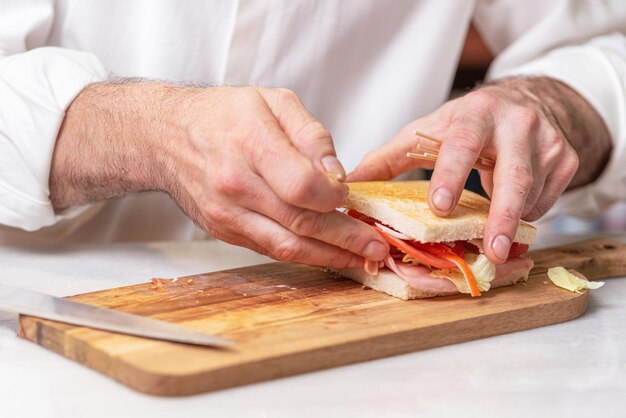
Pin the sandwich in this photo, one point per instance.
(430, 255)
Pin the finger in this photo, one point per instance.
(306, 133)
(290, 174)
(535, 192)
(282, 244)
(221, 229)
(541, 167)
(486, 181)
(337, 229)
(513, 179)
(390, 160)
(457, 155)
(556, 163)
(239, 226)
(554, 187)
(334, 228)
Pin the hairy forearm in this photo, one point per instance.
(249, 165)
(574, 117)
(110, 142)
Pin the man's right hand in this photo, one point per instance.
(249, 165)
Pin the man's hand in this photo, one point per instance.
(251, 166)
(542, 134)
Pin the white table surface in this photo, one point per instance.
(574, 369)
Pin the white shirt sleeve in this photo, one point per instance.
(36, 86)
(567, 45)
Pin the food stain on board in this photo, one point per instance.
(237, 284)
(220, 280)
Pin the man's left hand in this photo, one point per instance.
(536, 129)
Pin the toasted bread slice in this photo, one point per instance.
(403, 205)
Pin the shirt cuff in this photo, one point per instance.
(35, 89)
(599, 75)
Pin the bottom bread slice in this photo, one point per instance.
(389, 282)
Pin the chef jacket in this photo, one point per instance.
(364, 68)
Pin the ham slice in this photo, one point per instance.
(418, 276)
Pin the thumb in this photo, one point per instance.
(388, 161)
(372, 167)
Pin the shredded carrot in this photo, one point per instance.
(447, 253)
(422, 256)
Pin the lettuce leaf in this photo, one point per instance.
(566, 280)
(483, 270)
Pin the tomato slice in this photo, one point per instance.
(459, 248)
(418, 254)
(394, 252)
(361, 217)
(517, 249)
(471, 247)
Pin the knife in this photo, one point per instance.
(28, 302)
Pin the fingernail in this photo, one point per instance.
(333, 167)
(501, 246)
(443, 199)
(375, 251)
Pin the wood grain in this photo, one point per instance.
(288, 319)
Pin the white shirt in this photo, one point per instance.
(363, 67)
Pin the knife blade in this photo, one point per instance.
(29, 302)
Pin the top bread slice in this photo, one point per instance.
(403, 205)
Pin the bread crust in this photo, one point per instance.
(403, 205)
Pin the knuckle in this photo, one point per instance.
(534, 214)
(299, 190)
(383, 167)
(262, 132)
(286, 94)
(290, 249)
(521, 176)
(352, 237)
(230, 185)
(306, 223)
(224, 216)
(311, 132)
(286, 98)
(565, 171)
(552, 148)
(341, 261)
(369, 157)
(252, 91)
(482, 101)
(572, 162)
(245, 95)
(524, 174)
(256, 90)
(525, 117)
(560, 181)
(540, 209)
(554, 142)
(510, 215)
(466, 141)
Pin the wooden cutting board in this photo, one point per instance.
(288, 319)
